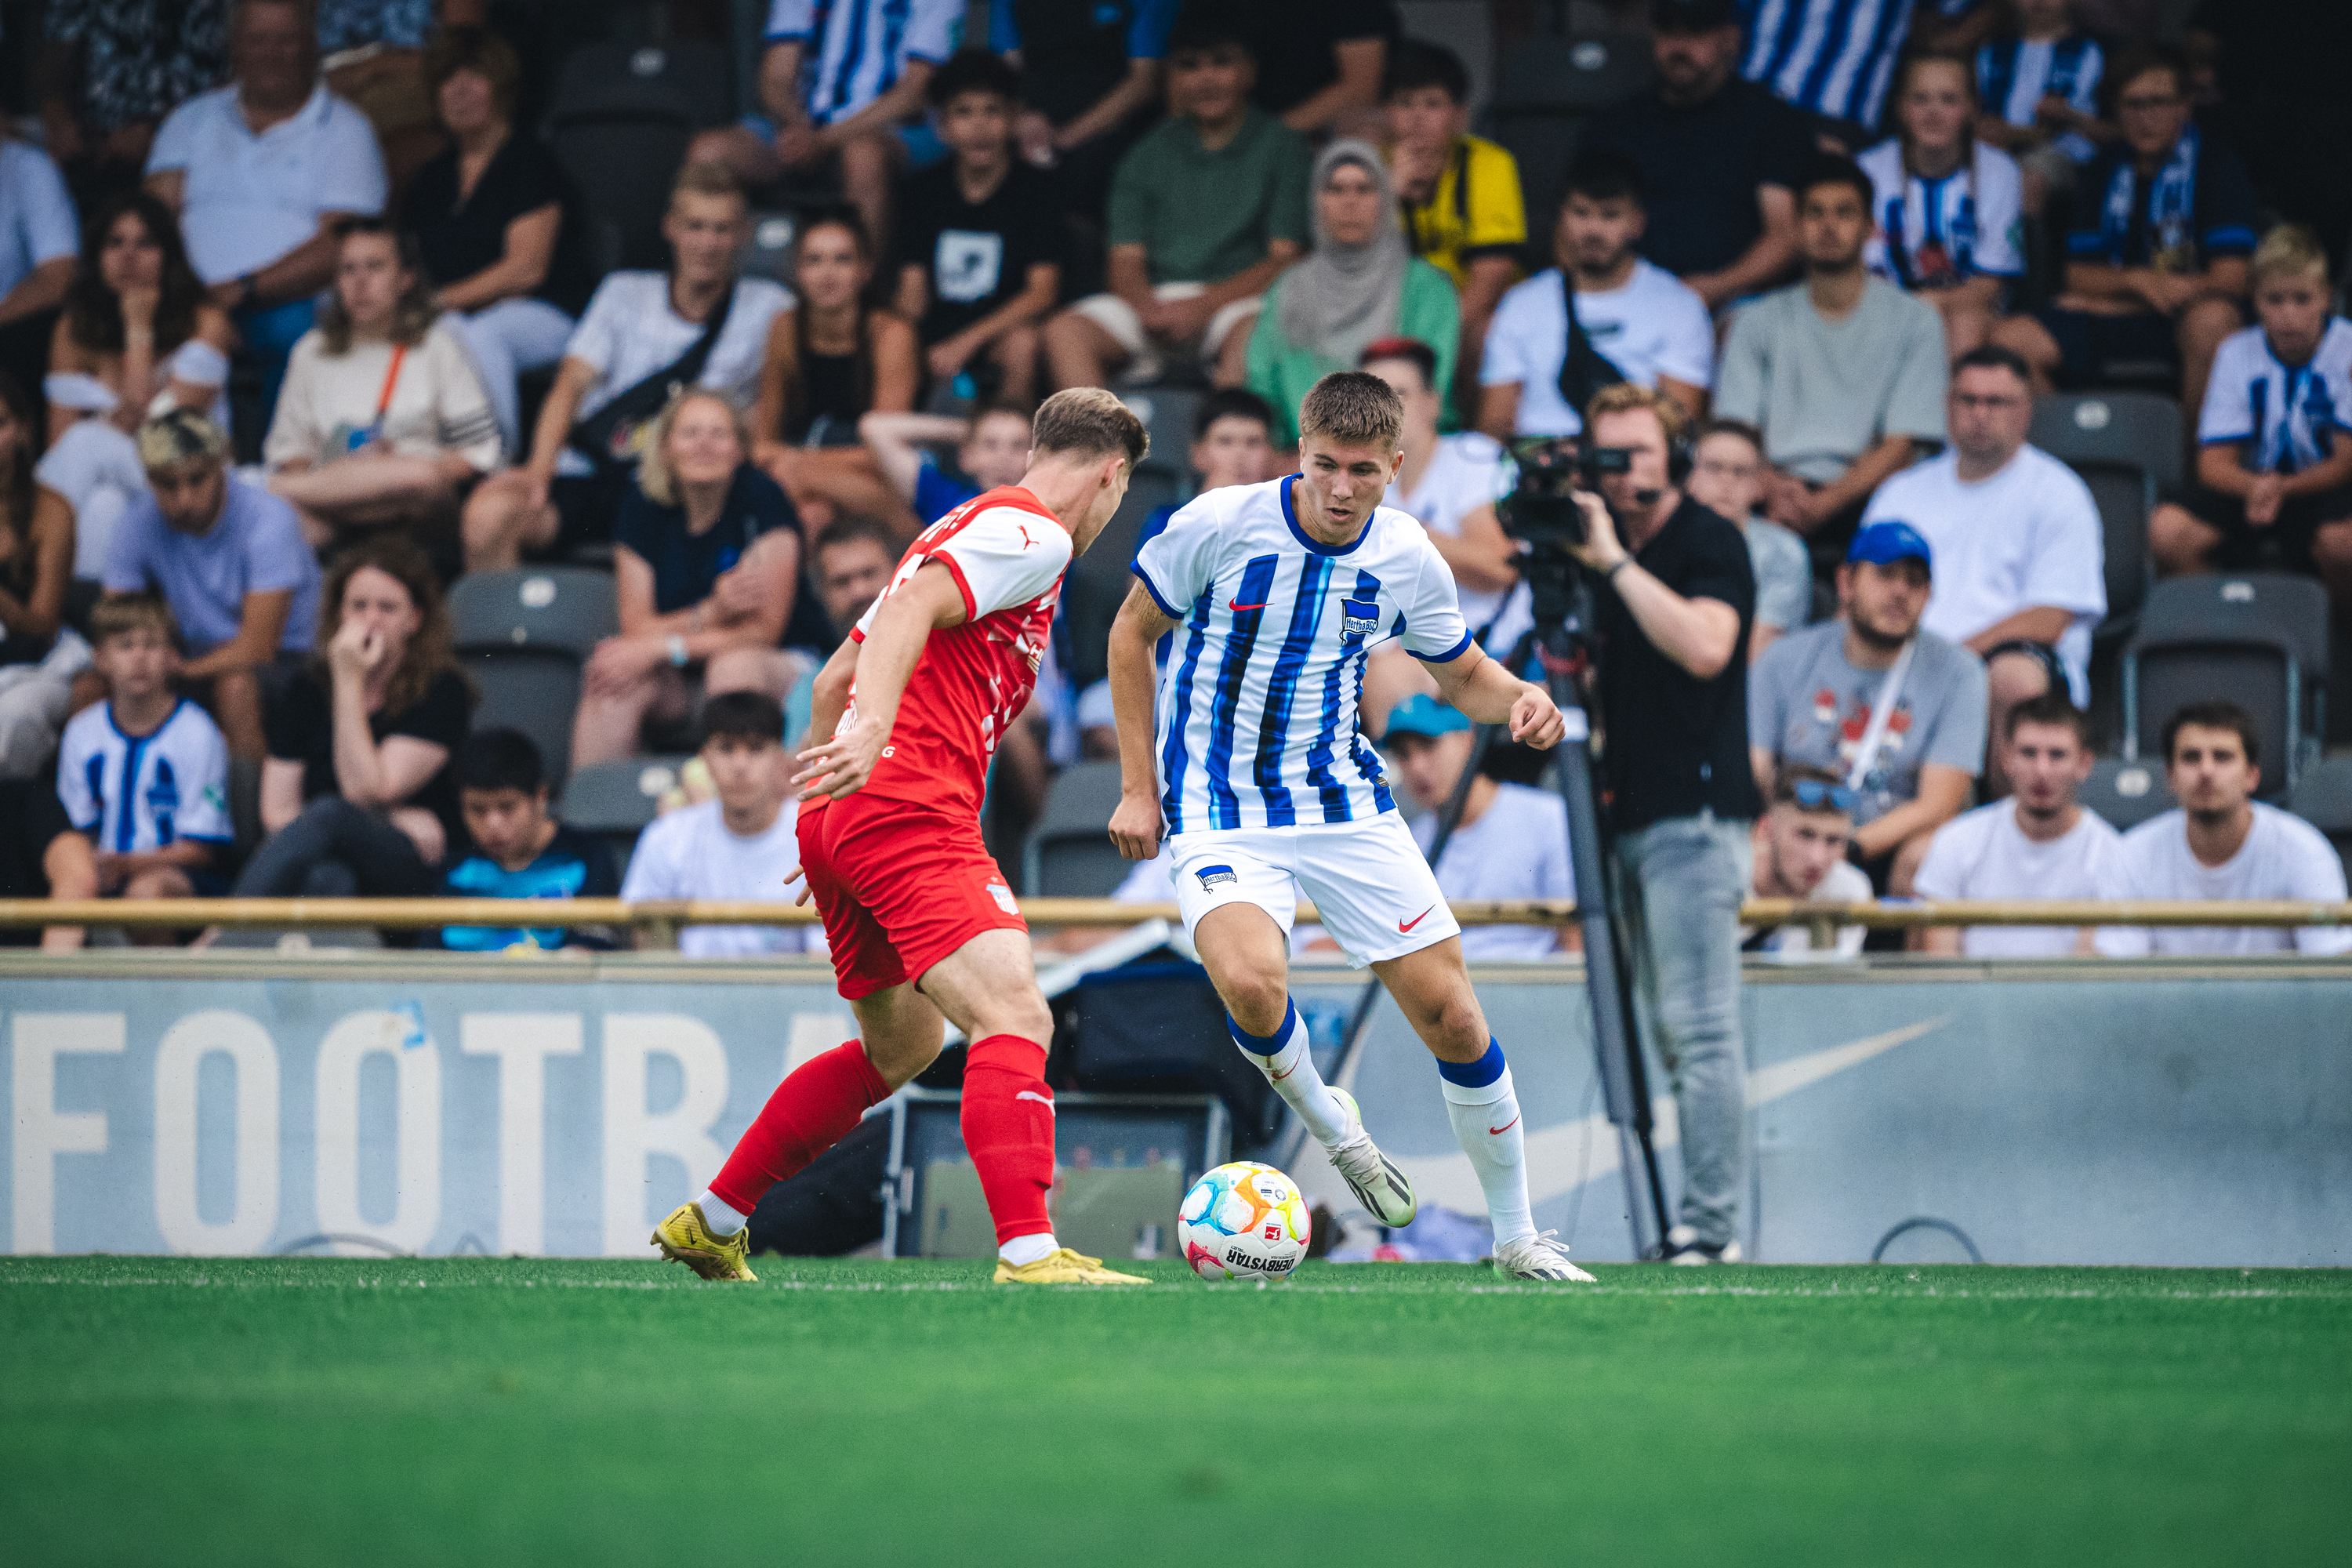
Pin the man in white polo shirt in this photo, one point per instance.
(2220, 843)
(2019, 555)
(260, 173)
(1633, 321)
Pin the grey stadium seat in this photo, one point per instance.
(1549, 88)
(2126, 790)
(2323, 798)
(1069, 853)
(620, 120)
(2127, 447)
(2255, 639)
(617, 801)
(523, 636)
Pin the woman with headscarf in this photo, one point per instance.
(1359, 284)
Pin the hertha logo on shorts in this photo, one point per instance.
(1359, 617)
(1212, 876)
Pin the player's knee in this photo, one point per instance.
(1257, 997)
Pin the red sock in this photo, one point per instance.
(1008, 1127)
(812, 1109)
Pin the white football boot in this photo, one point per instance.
(1538, 1257)
(1383, 1189)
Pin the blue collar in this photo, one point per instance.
(1291, 517)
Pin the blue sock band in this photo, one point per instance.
(1270, 1044)
(1477, 1074)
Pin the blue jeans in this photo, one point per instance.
(1680, 882)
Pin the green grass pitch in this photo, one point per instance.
(508, 1412)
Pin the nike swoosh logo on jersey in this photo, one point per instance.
(1259, 605)
(1408, 925)
(1506, 1127)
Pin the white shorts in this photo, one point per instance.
(1117, 317)
(1373, 890)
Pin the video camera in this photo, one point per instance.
(1541, 509)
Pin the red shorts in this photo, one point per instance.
(900, 887)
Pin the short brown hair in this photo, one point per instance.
(849, 527)
(481, 51)
(1353, 408)
(1784, 789)
(1625, 397)
(1738, 429)
(118, 613)
(2215, 716)
(1089, 422)
(2053, 708)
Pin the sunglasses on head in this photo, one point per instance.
(1812, 795)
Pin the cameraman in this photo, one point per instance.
(1673, 598)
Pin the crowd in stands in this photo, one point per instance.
(302, 322)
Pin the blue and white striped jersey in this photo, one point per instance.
(133, 794)
(1258, 705)
(853, 51)
(1831, 56)
(2289, 417)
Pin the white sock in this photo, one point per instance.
(1487, 1124)
(1023, 1250)
(1291, 1069)
(721, 1217)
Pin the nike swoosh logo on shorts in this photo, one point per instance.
(1506, 1127)
(1408, 925)
(1259, 605)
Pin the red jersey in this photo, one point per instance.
(1007, 554)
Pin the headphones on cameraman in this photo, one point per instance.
(1678, 442)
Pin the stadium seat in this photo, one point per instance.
(1549, 87)
(2323, 798)
(2126, 792)
(2127, 447)
(1069, 853)
(770, 254)
(1099, 579)
(620, 120)
(617, 801)
(1167, 415)
(2255, 639)
(523, 636)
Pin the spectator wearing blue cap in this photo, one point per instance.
(1511, 843)
(1894, 712)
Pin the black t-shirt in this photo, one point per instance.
(1700, 166)
(1073, 52)
(975, 256)
(1677, 743)
(686, 565)
(302, 730)
(459, 241)
(1296, 44)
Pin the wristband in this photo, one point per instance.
(679, 657)
(1610, 576)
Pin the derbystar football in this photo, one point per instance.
(1242, 1221)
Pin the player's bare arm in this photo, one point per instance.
(1135, 826)
(1481, 687)
(925, 603)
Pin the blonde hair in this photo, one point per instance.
(654, 474)
(707, 178)
(2290, 250)
(181, 435)
(1624, 397)
(118, 613)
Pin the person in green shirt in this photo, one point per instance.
(1359, 284)
(1205, 213)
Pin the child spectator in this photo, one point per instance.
(357, 795)
(991, 450)
(1727, 476)
(137, 330)
(706, 557)
(39, 655)
(2038, 82)
(145, 773)
(2156, 261)
(1800, 853)
(1511, 843)
(980, 238)
(2220, 843)
(1457, 194)
(229, 559)
(643, 334)
(830, 359)
(1895, 712)
(1091, 80)
(1206, 211)
(2038, 844)
(381, 422)
(839, 85)
(1951, 222)
(496, 222)
(1600, 315)
(1843, 373)
(2274, 463)
(516, 848)
(855, 556)
(738, 847)
(1360, 283)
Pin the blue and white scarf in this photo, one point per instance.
(2172, 202)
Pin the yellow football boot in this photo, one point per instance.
(1063, 1268)
(686, 1238)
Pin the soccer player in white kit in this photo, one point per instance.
(1255, 773)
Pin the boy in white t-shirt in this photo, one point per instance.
(739, 846)
(2220, 844)
(2038, 844)
(1800, 853)
(145, 773)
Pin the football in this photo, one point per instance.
(1242, 1221)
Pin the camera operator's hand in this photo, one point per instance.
(1535, 720)
(1601, 549)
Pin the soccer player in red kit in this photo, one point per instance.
(920, 921)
